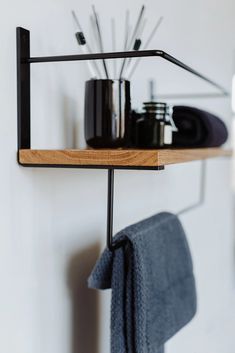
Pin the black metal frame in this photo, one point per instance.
(23, 105)
(23, 76)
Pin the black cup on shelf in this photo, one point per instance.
(107, 113)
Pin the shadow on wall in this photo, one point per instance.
(85, 301)
(70, 122)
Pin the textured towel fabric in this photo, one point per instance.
(153, 289)
(197, 128)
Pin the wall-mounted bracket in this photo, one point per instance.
(23, 88)
(24, 60)
(24, 134)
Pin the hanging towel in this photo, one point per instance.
(197, 128)
(153, 288)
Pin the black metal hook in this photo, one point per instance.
(110, 244)
(110, 209)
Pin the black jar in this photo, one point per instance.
(149, 126)
(107, 113)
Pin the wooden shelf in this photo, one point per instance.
(120, 158)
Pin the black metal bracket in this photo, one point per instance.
(23, 76)
(23, 107)
(23, 88)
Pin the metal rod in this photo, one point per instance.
(110, 198)
(145, 46)
(127, 30)
(136, 28)
(95, 56)
(175, 61)
(113, 32)
(95, 39)
(151, 90)
(89, 166)
(202, 191)
(132, 38)
(111, 245)
(85, 48)
(138, 38)
(130, 54)
(100, 40)
(205, 95)
(76, 20)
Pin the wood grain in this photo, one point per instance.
(118, 157)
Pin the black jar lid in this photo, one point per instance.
(158, 108)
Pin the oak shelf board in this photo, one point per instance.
(117, 157)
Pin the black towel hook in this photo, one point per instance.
(110, 199)
(110, 244)
(110, 209)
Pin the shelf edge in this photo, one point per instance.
(117, 158)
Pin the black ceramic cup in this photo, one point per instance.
(107, 113)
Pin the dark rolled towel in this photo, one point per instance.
(197, 128)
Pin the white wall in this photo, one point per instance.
(52, 222)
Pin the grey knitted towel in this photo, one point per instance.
(153, 288)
